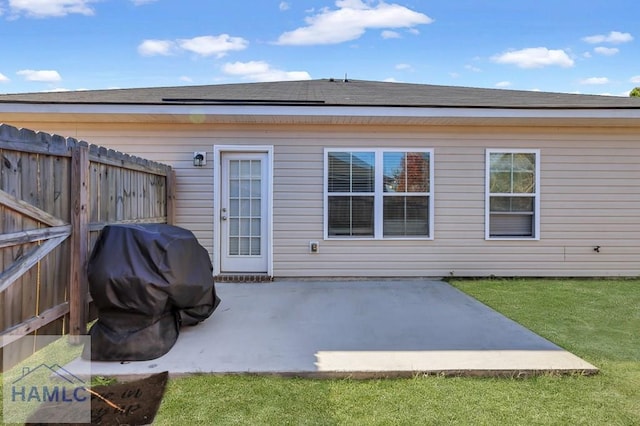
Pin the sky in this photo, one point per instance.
(569, 46)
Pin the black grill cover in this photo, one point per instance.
(146, 281)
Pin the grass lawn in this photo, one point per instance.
(598, 320)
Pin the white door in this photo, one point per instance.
(244, 213)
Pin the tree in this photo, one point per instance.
(635, 92)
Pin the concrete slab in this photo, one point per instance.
(352, 328)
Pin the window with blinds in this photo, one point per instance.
(351, 188)
(378, 193)
(512, 199)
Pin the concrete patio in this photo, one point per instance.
(352, 328)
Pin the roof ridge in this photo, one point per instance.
(326, 92)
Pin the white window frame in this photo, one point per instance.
(535, 195)
(378, 233)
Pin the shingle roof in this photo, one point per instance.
(331, 93)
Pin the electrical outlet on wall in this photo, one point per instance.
(314, 247)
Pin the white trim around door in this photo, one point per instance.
(259, 258)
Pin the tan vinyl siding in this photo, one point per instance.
(589, 193)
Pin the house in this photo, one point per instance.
(333, 178)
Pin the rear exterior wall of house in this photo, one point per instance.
(589, 195)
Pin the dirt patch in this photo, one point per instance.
(131, 403)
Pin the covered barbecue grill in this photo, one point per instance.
(147, 280)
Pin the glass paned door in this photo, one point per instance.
(243, 221)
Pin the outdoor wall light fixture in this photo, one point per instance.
(199, 158)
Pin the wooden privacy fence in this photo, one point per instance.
(56, 194)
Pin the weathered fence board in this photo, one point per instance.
(78, 287)
(56, 195)
(27, 261)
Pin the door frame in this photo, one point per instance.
(218, 152)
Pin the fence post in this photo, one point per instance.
(171, 196)
(78, 288)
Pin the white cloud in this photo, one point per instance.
(283, 5)
(350, 21)
(403, 67)
(587, 55)
(607, 51)
(141, 2)
(186, 79)
(472, 68)
(623, 94)
(503, 84)
(534, 57)
(203, 45)
(262, 71)
(635, 79)
(48, 76)
(386, 34)
(156, 47)
(390, 80)
(614, 37)
(595, 80)
(4, 78)
(213, 45)
(50, 8)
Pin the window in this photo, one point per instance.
(512, 199)
(378, 193)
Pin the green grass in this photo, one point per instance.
(598, 320)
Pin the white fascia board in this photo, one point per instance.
(318, 111)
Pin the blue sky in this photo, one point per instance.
(559, 46)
